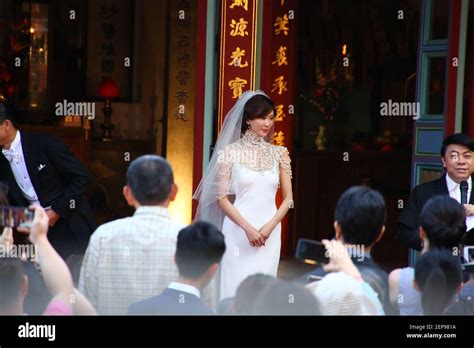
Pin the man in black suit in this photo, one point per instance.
(40, 170)
(457, 157)
(199, 251)
(360, 216)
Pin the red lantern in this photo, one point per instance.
(108, 88)
(10, 90)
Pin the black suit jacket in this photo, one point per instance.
(372, 274)
(60, 180)
(170, 302)
(409, 219)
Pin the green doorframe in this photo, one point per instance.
(430, 129)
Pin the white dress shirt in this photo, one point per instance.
(455, 192)
(189, 289)
(15, 157)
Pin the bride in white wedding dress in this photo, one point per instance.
(247, 169)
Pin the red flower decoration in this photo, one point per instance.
(329, 94)
(10, 91)
(5, 76)
(7, 83)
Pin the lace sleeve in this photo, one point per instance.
(224, 173)
(225, 162)
(285, 161)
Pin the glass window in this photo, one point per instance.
(436, 85)
(38, 57)
(439, 20)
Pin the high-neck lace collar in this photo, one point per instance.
(250, 138)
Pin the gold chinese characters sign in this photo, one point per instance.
(278, 73)
(277, 57)
(237, 52)
(181, 101)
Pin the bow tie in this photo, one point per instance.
(10, 154)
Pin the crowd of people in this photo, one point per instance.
(226, 262)
(148, 264)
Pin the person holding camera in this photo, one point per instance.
(360, 217)
(442, 226)
(14, 285)
(438, 279)
(464, 302)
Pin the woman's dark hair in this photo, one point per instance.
(444, 222)
(438, 274)
(248, 291)
(259, 106)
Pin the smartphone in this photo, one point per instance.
(15, 216)
(311, 251)
(468, 254)
(313, 278)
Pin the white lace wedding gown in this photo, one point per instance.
(253, 167)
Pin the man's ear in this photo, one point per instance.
(379, 237)
(211, 271)
(9, 125)
(174, 192)
(127, 193)
(422, 233)
(444, 162)
(415, 286)
(338, 230)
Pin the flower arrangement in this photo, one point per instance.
(19, 40)
(329, 93)
(7, 85)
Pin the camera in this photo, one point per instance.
(15, 216)
(311, 251)
(467, 258)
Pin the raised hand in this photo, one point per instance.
(339, 259)
(39, 226)
(469, 209)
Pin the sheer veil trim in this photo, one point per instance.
(216, 181)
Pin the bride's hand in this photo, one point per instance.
(254, 237)
(265, 231)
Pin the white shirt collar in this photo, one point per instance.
(153, 209)
(15, 145)
(452, 185)
(185, 288)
